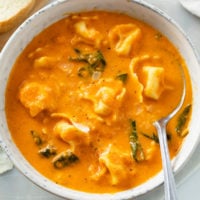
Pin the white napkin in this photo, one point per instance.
(192, 6)
(5, 163)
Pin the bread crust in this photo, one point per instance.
(16, 18)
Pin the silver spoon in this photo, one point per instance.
(160, 125)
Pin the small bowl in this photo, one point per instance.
(56, 11)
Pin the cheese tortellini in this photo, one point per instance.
(114, 162)
(71, 134)
(152, 78)
(45, 62)
(154, 81)
(37, 97)
(124, 37)
(86, 35)
(106, 99)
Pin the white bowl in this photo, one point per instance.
(53, 13)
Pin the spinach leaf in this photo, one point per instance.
(182, 119)
(136, 147)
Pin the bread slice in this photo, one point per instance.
(13, 12)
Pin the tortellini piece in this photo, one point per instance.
(71, 134)
(151, 77)
(124, 37)
(45, 62)
(102, 109)
(86, 35)
(117, 164)
(154, 81)
(105, 98)
(38, 97)
(135, 82)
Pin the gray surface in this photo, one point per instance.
(14, 186)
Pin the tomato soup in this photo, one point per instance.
(83, 95)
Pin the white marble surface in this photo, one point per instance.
(14, 186)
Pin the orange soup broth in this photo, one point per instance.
(56, 41)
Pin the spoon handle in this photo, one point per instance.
(169, 181)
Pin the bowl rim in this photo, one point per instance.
(73, 193)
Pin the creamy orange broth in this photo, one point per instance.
(49, 90)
